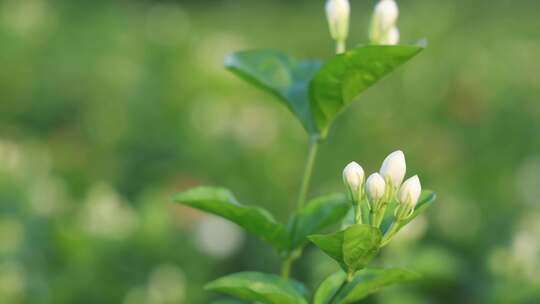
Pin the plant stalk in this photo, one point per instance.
(390, 233)
(308, 171)
(347, 280)
(340, 47)
(286, 267)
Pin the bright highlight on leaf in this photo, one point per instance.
(260, 287)
(221, 202)
(364, 283)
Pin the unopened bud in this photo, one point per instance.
(353, 177)
(393, 168)
(410, 192)
(375, 187)
(383, 25)
(337, 13)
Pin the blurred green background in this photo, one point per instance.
(107, 108)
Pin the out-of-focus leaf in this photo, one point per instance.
(329, 287)
(221, 202)
(261, 287)
(427, 198)
(281, 75)
(368, 281)
(344, 77)
(228, 302)
(352, 248)
(318, 214)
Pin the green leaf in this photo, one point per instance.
(318, 214)
(427, 198)
(368, 281)
(281, 75)
(360, 245)
(228, 302)
(331, 244)
(345, 76)
(261, 287)
(353, 248)
(221, 202)
(328, 288)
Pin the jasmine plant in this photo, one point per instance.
(316, 92)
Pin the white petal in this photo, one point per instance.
(394, 167)
(353, 175)
(375, 186)
(410, 191)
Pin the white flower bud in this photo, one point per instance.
(337, 13)
(386, 14)
(393, 168)
(353, 177)
(392, 37)
(383, 26)
(410, 192)
(375, 187)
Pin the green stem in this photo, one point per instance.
(358, 213)
(340, 47)
(286, 267)
(312, 155)
(347, 280)
(308, 171)
(379, 215)
(390, 233)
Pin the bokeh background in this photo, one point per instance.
(107, 108)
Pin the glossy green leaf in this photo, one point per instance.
(328, 288)
(427, 198)
(345, 76)
(352, 248)
(368, 281)
(260, 287)
(281, 75)
(331, 244)
(221, 202)
(318, 214)
(360, 245)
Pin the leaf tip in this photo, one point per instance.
(423, 43)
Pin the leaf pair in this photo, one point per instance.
(260, 287)
(315, 216)
(335, 289)
(271, 289)
(314, 92)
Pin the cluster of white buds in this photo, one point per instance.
(383, 24)
(338, 13)
(383, 187)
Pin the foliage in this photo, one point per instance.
(130, 95)
(315, 93)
